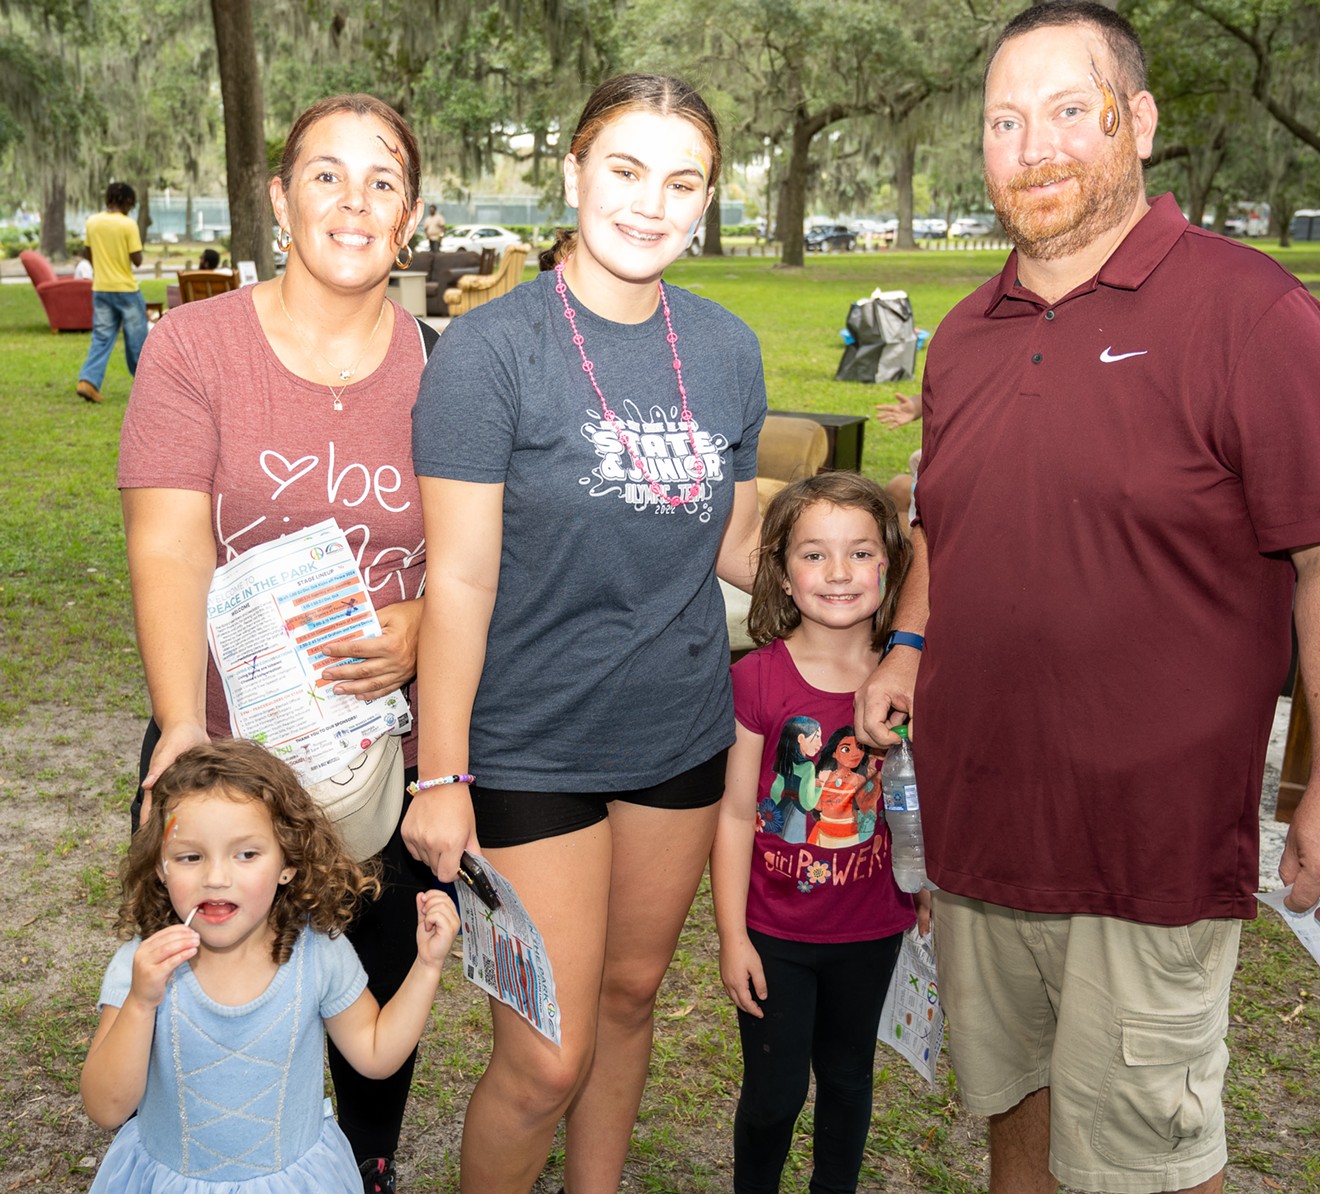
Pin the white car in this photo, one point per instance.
(972, 226)
(475, 237)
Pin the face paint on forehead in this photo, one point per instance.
(1109, 111)
(397, 154)
(694, 152)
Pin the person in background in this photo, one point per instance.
(1108, 628)
(82, 268)
(115, 248)
(591, 689)
(210, 259)
(265, 410)
(434, 228)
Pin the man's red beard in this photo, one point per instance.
(1101, 197)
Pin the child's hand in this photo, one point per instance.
(437, 926)
(743, 976)
(157, 958)
(922, 899)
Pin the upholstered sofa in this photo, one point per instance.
(442, 271)
(68, 301)
(790, 448)
(475, 289)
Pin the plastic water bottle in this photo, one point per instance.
(898, 782)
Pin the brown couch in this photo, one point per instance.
(442, 271)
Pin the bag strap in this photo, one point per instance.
(429, 336)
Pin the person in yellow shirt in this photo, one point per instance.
(116, 300)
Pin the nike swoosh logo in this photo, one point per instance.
(1109, 356)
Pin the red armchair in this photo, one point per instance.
(68, 301)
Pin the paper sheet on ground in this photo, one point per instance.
(504, 954)
(912, 1020)
(1304, 924)
(268, 614)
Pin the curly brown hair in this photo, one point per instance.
(327, 885)
(773, 614)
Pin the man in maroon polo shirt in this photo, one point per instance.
(1118, 497)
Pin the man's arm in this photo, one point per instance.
(885, 700)
(1300, 864)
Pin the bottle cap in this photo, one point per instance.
(902, 731)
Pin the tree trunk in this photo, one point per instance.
(144, 211)
(245, 144)
(793, 206)
(905, 167)
(53, 234)
(711, 247)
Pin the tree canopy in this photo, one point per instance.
(850, 105)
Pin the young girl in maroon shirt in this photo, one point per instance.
(810, 930)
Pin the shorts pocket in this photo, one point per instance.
(1161, 1094)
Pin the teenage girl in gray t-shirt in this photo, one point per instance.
(586, 451)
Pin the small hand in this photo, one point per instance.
(157, 958)
(906, 410)
(743, 976)
(174, 740)
(389, 659)
(923, 902)
(437, 925)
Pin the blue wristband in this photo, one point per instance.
(904, 638)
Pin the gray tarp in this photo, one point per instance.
(884, 336)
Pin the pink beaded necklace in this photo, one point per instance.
(694, 491)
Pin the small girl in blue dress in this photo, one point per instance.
(213, 1017)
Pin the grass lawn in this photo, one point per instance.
(66, 644)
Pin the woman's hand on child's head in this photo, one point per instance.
(159, 956)
(743, 975)
(437, 926)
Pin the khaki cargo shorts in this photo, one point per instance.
(1124, 1023)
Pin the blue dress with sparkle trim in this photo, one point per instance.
(234, 1099)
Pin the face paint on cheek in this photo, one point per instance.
(692, 231)
(396, 233)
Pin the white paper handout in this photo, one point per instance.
(1304, 924)
(504, 954)
(268, 614)
(912, 1021)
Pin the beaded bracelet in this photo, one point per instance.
(463, 778)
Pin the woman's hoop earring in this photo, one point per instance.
(407, 261)
(283, 239)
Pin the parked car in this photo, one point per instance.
(829, 237)
(931, 228)
(970, 226)
(475, 237)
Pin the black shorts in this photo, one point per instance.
(509, 818)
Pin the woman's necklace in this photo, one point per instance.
(694, 491)
(345, 375)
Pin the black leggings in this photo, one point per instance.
(384, 933)
(822, 1012)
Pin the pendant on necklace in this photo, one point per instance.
(345, 374)
(338, 405)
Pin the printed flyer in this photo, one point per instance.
(269, 613)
